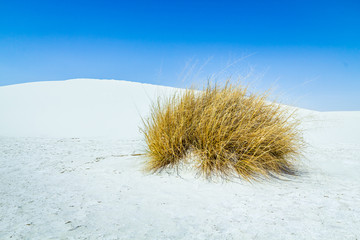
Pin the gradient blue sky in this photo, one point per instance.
(308, 51)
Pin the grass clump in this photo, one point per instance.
(227, 132)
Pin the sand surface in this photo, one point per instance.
(92, 187)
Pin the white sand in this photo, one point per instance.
(66, 172)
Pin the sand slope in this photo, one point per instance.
(76, 108)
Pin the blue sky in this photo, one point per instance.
(307, 51)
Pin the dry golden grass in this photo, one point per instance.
(227, 132)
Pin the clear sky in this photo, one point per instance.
(308, 51)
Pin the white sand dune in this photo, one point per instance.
(67, 171)
(76, 108)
